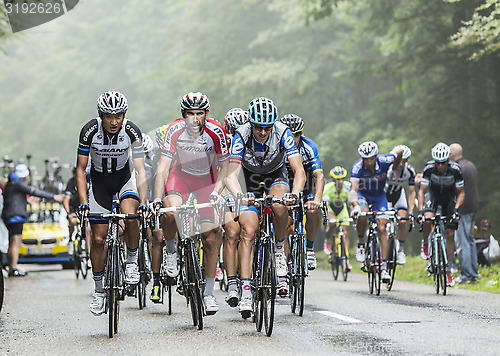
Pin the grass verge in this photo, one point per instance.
(414, 271)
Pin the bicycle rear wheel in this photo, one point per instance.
(391, 263)
(269, 292)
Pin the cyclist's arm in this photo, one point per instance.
(232, 183)
(299, 175)
(411, 198)
(353, 194)
(162, 174)
(398, 151)
(81, 179)
(66, 202)
(319, 178)
(221, 178)
(421, 196)
(460, 197)
(142, 183)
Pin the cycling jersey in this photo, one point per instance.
(394, 185)
(337, 201)
(263, 158)
(309, 156)
(195, 155)
(372, 183)
(110, 153)
(442, 185)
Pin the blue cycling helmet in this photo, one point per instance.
(262, 111)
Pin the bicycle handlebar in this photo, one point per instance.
(112, 216)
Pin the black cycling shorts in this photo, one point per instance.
(447, 205)
(253, 180)
(15, 228)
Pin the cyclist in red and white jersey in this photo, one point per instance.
(194, 160)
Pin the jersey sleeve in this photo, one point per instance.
(220, 140)
(356, 170)
(413, 173)
(173, 132)
(135, 135)
(288, 143)
(237, 149)
(386, 160)
(86, 134)
(459, 178)
(314, 156)
(426, 177)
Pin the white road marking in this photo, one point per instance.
(339, 316)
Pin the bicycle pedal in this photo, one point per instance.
(246, 314)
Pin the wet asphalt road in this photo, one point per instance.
(47, 313)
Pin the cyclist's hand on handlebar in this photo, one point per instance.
(215, 197)
(355, 211)
(249, 198)
(83, 210)
(156, 206)
(420, 217)
(290, 198)
(143, 211)
(456, 216)
(312, 205)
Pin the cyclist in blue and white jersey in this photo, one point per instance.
(233, 119)
(368, 177)
(108, 140)
(396, 196)
(315, 180)
(258, 149)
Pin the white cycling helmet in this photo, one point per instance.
(406, 151)
(235, 118)
(112, 102)
(440, 152)
(368, 149)
(147, 143)
(196, 100)
(294, 122)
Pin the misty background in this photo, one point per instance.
(395, 72)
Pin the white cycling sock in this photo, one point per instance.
(171, 248)
(99, 287)
(278, 247)
(246, 291)
(132, 255)
(209, 286)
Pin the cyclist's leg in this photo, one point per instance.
(249, 223)
(230, 254)
(156, 261)
(361, 226)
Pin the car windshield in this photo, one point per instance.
(44, 212)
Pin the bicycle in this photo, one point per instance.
(263, 266)
(437, 252)
(144, 263)
(339, 256)
(81, 256)
(114, 271)
(373, 254)
(191, 281)
(393, 245)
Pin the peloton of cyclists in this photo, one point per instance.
(368, 177)
(442, 186)
(109, 140)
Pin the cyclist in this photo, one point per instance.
(396, 195)
(315, 180)
(71, 203)
(442, 185)
(109, 140)
(336, 194)
(233, 119)
(258, 149)
(368, 177)
(193, 145)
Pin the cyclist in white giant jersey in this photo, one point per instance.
(194, 158)
(315, 181)
(108, 140)
(396, 195)
(259, 149)
(233, 119)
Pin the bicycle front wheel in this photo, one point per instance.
(269, 292)
(343, 258)
(143, 272)
(294, 271)
(377, 264)
(111, 284)
(194, 279)
(442, 267)
(301, 277)
(84, 257)
(335, 258)
(392, 262)
(76, 256)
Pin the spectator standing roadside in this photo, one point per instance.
(465, 242)
(14, 212)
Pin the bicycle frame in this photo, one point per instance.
(339, 254)
(437, 253)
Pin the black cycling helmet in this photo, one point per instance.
(294, 122)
